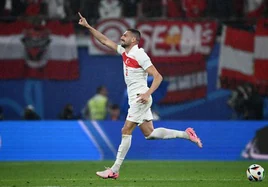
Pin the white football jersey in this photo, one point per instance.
(135, 62)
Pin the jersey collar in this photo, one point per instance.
(134, 48)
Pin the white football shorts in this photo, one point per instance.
(139, 112)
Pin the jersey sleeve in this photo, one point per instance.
(143, 59)
(120, 49)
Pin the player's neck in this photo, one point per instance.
(129, 48)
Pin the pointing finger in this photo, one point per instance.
(80, 15)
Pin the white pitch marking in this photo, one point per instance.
(91, 137)
(104, 136)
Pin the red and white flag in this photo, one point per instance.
(254, 8)
(244, 58)
(261, 50)
(187, 80)
(41, 52)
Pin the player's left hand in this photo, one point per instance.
(143, 98)
(82, 21)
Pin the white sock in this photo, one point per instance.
(121, 153)
(163, 133)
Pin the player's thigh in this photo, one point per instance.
(147, 128)
(139, 112)
(128, 127)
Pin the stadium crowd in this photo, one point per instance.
(224, 10)
(240, 13)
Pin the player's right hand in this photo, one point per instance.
(82, 21)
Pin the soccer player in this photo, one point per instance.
(137, 66)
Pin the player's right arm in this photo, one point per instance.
(98, 35)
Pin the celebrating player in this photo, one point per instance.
(137, 66)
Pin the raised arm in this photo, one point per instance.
(98, 35)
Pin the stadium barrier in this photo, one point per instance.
(98, 140)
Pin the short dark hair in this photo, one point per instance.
(136, 33)
(100, 88)
(115, 106)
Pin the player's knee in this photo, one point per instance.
(126, 131)
(148, 133)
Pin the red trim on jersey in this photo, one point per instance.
(130, 62)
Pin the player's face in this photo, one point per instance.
(127, 39)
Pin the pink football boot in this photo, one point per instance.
(108, 173)
(193, 137)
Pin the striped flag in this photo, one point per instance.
(43, 52)
(244, 58)
(187, 80)
(254, 8)
(261, 50)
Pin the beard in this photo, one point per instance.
(124, 45)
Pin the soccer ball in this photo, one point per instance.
(255, 172)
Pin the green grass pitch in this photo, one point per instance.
(133, 173)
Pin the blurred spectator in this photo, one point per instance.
(83, 6)
(93, 5)
(56, 9)
(194, 8)
(114, 112)
(254, 8)
(110, 9)
(246, 103)
(1, 114)
(152, 8)
(74, 6)
(12, 7)
(174, 8)
(238, 8)
(5, 7)
(68, 113)
(223, 9)
(96, 108)
(34, 7)
(131, 8)
(254, 104)
(30, 114)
